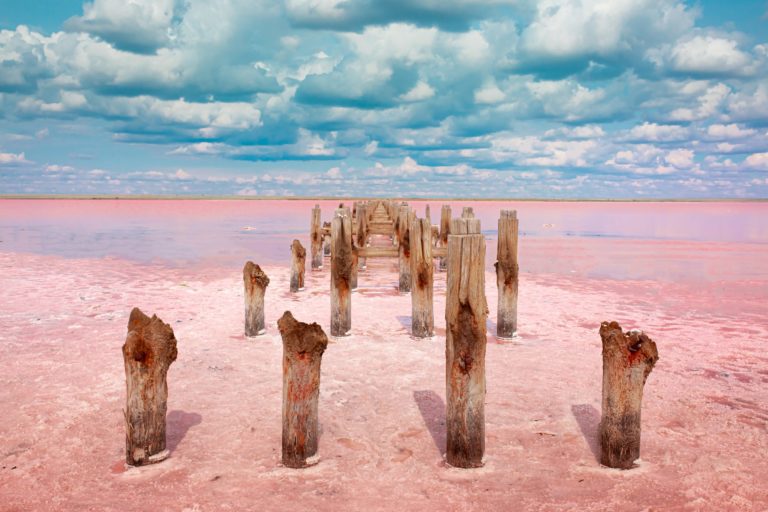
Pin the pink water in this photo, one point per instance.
(693, 276)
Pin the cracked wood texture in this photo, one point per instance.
(404, 220)
(466, 311)
(341, 273)
(298, 263)
(445, 230)
(255, 282)
(316, 239)
(422, 272)
(628, 359)
(149, 350)
(507, 274)
(303, 347)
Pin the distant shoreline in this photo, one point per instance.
(338, 198)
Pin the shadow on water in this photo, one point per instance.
(432, 409)
(588, 419)
(179, 422)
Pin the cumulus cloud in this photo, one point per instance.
(757, 161)
(708, 55)
(13, 158)
(729, 131)
(652, 132)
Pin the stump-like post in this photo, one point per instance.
(507, 273)
(303, 347)
(445, 229)
(341, 273)
(256, 282)
(628, 359)
(149, 350)
(405, 217)
(362, 231)
(422, 272)
(326, 238)
(298, 263)
(316, 239)
(427, 215)
(467, 213)
(466, 311)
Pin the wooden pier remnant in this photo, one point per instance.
(422, 274)
(467, 213)
(628, 359)
(341, 273)
(256, 282)
(404, 219)
(326, 239)
(298, 263)
(445, 229)
(149, 350)
(361, 238)
(303, 347)
(507, 274)
(316, 239)
(466, 311)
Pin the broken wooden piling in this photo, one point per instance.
(256, 282)
(422, 274)
(341, 273)
(404, 219)
(445, 229)
(466, 311)
(149, 350)
(303, 347)
(628, 359)
(362, 232)
(298, 263)
(507, 273)
(316, 239)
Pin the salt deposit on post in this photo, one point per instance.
(303, 347)
(256, 282)
(507, 275)
(628, 359)
(341, 273)
(466, 312)
(422, 273)
(298, 263)
(149, 350)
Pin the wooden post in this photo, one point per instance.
(362, 231)
(341, 273)
(468, 226)
(628, 359)
(445, 229)
(466, 312)
(467, 213)
(303, 347)
(427, 216)
(507, 275)
(149, 350)
(405, 217)
(326, 239)
(422, 270)
(256, 282)
(316, 239)
(298, 262)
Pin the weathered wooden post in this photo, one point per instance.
(405, 217)
(326, 238)
(362, 231)
(316, 239)
(507, 272)
(427, 216)
(256, 282)
(422, 272)
(149, 350)
(467, 213)
(628, 359)
(445, 229)
(466, 311)
(303, 347)
(298, 262)
(341, 273)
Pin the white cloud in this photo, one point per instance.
(709, 104)
(680, 158)
(59, 168)
(709, 55)
(421, 91)
(653, 132)
(333, 172)
(13, 158)
(729, 132)
(489, 94)
(757, 161)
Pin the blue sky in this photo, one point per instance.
(459, 98)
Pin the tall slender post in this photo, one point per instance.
(467, 213)
(422, 273)
(341, 273)
(427, 215)
(362, 231)
(316, 239)
(303, 347)
(628, 359)
(405, 216)
(256, 282)
(507, 274)
(445, 229)
(148, 352)
(466, 311)
(326, 238)
(298, 263)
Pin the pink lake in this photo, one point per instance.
(694, 276)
